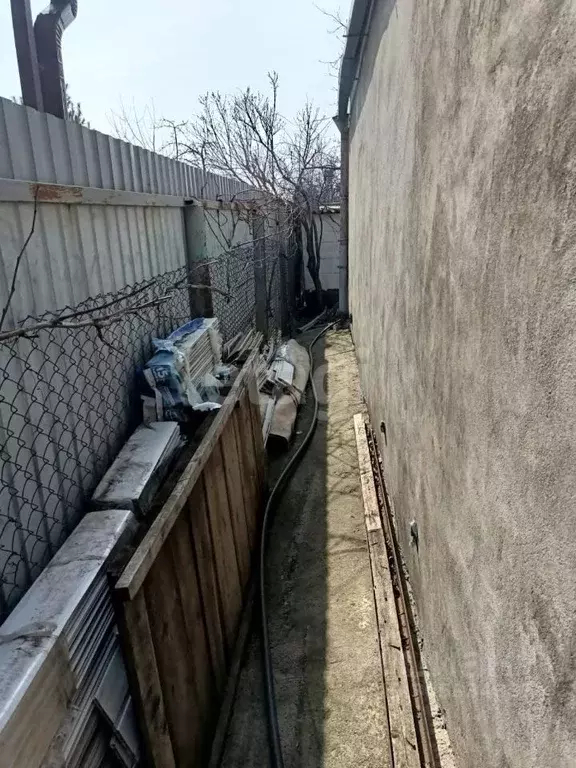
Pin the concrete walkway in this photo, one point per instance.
(322, 622)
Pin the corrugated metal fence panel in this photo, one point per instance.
(39, 147)
(66, 399)
(80, 251)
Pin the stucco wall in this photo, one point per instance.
(463, 295)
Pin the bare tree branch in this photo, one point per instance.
(341, 27)
(291, 164)
(19, 260)
(68, 322)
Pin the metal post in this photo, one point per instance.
(198, 270)
(282, 240)
(260, 288)
(48, 30)
(26, 54)
(343, 265)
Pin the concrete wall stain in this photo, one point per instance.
(463, 295)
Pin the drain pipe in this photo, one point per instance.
(343, 124)
(26, 54)
(48, 30)
(356, 34)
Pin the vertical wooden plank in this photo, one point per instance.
(223, 542)
(183, 558)
(175, 667)
(197, 513)
(230, 456)
(242, 421)
(257, 440)
(146, 687)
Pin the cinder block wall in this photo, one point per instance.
(463, 295)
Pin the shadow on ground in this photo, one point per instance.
(322, 626)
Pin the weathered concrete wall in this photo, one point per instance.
(463, 294)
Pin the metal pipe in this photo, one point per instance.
(343, 125)
(26, 54)
(48, 30)
(355, 34)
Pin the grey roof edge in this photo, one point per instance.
(358, 27)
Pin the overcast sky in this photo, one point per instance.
(171, 51)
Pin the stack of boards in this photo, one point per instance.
(64, 697)
(193, 357)
(59, 705)
(139, 469)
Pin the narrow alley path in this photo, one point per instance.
(322, 621)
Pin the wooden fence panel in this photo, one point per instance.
(180, 597)
(207, 583)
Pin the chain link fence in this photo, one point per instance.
(275, 255)
(234, 300)
(68, 399)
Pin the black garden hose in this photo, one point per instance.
(271, 708)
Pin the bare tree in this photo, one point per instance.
(73, 108)
(144, 128)
(292, 163)
(287, 165)
(338, 28)
(135, 126)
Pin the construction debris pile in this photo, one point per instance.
(186, 373)
(186, 376)
(282, 373)
(62, 635)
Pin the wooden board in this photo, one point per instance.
(257, 440)
(242, 424)
(172, 654)
(187, 587)
(197, 514)
(145, 686)
(400, 715)
(181, 595)
(230, 588)
(236, 502)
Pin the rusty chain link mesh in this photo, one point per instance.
(68, 402)
(234, 275)
(275, 256)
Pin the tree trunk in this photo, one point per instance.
(296, 251)
(314, 264)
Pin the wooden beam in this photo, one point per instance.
(16, 191)
(402, 730)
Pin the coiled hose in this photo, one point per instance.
(271, 709)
